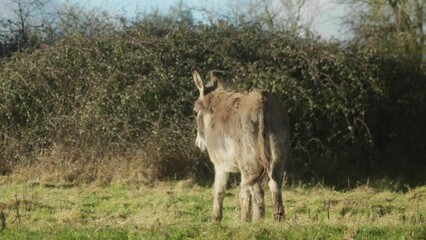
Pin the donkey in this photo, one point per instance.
(247, 133)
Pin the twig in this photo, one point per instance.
(122, 223)
(18, 216)
(328, 210)
(2, 221)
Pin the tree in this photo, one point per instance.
(27, 22)
(284, 15)
(181, 14)
(397, 26)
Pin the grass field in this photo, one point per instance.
(182, 210)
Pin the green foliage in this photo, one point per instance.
(130, 93)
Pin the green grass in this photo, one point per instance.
(182, 210)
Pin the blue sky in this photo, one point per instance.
(328, 14)
(325, 15)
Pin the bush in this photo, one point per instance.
(131, 93)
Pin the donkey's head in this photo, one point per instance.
(202, 105)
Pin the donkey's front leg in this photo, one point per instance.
(219, 188)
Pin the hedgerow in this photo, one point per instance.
(355, 112)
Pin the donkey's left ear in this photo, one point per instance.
(198, 82)
(214, 82)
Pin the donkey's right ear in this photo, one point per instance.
(198, 82)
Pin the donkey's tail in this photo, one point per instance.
(263, 144)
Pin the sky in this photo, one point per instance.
(326, 15)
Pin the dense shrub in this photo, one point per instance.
(353, 111)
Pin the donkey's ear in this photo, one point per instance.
(214, 82)
(198, 82)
